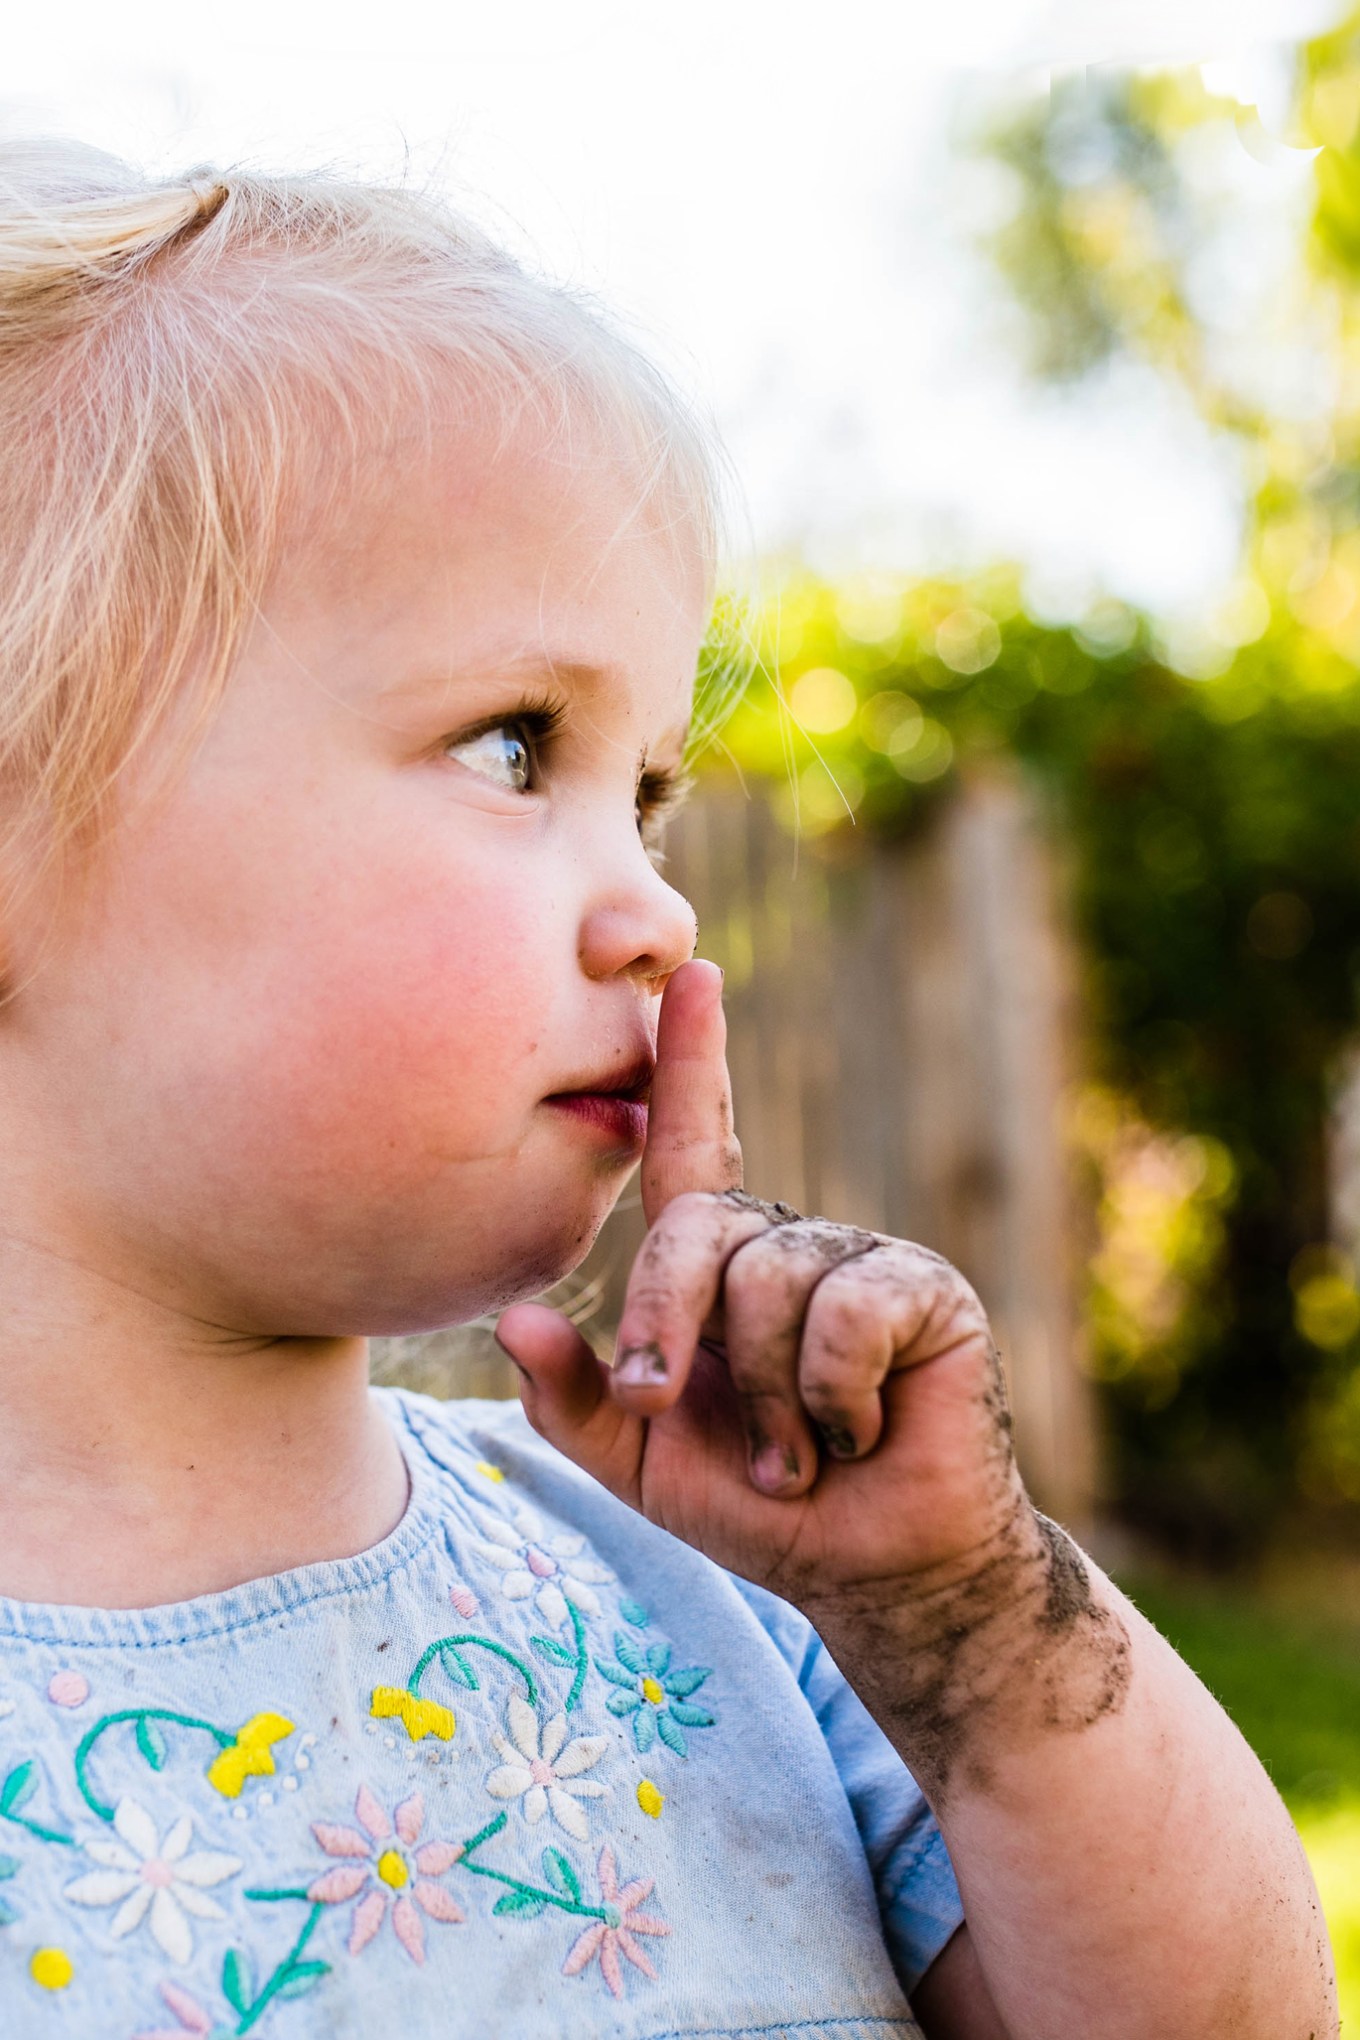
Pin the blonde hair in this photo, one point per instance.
(189, 368)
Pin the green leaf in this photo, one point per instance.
(524, 1905)
(18, 1787)
(561, 1875)
(555, 1653)
(8, 1913)
(304, 1976)
(238, 1985)
(634, 1612)
(9, 1867)
(151, 1743)
(457, 1668)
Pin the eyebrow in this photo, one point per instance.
(521, 667)
(514, 666)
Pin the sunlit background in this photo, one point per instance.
(1033, 851)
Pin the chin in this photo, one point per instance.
(429, 1302)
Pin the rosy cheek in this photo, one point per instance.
(417, 1030)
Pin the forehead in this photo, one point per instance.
(477, 552)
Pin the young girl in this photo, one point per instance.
(352, 588)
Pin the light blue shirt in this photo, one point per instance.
(528, 1767)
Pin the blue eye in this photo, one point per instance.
(502, 755)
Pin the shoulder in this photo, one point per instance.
(498, 1462)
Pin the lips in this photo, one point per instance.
(614, 1106)
(632, 1083)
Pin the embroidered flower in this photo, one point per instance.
(191, 2016)
(421, 1717)
(549, 1570)
(384, 1875)
(141, 1876)
(544, 1774)
(656, 1697)
(613, 1935)
(250, 1756)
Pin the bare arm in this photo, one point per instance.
(1127, 1868)
(952, 2001)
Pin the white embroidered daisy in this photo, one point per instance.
(552, 1570)
(143, 1877)
(544, 1774)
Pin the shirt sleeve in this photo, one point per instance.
(918, 1895)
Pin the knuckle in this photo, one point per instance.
(843, 1307)
(831, 1375)
(761, 1282)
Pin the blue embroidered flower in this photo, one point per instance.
(657, 1698)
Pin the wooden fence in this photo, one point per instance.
(901, 1043)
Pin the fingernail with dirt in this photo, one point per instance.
(641, 1366)
(774, 1467)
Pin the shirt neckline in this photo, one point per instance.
(255, 1601)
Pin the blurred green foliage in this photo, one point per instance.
(1206, 778)
(1214, 827)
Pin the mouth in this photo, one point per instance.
(614, 1106)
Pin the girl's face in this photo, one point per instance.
(300, 1064)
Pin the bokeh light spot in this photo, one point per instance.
(823, 701)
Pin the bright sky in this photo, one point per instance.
(765, 188)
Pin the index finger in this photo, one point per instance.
(691, 1144)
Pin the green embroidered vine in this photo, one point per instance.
(18, 1788)
(430, 1717)
(555, 1653)
(449, 1651)
(290, 1978)
(526, 1901)
(247, 1753)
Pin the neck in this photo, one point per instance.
(147, 1457)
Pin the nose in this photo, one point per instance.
(637, 926)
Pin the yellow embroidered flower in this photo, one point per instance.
(52, 1968)
(250, 1756)
(421, 1717)
(491, 1472)
(649, 1798)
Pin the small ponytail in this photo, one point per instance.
(63, 250)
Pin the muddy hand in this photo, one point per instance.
(783, 1385)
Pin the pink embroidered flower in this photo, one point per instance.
(384, 1874)
(613, 1935)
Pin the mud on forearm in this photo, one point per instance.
(984, 1661)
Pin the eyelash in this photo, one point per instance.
(660, 792)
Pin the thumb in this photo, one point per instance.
(690, 1141)
(563, 1389)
